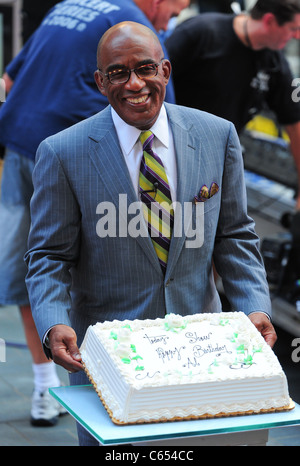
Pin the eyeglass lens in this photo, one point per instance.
(122, 76)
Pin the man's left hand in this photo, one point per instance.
(264, 326)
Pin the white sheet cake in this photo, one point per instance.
(202, 365)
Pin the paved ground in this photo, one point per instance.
(15, 393)
(16, 388)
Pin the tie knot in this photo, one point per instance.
(146, 138)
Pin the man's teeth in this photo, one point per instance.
(137, 100)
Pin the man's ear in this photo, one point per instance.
(269, 20)
(99, 78)
(167, 68)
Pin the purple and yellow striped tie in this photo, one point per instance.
(156, 197)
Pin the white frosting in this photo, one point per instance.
(183, 366)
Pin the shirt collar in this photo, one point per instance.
(128, 135)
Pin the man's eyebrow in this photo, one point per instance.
(148, 61)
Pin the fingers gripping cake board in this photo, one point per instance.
(178, 368)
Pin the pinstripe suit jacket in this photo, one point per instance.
(76, 275)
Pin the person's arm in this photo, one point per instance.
(54, 244)
(62, 342)
(264, 326)
(294, 135)
(236, 254)
(13, 68)
(8, 82)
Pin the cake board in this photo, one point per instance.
(83, 403)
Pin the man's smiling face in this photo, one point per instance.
(137, 101)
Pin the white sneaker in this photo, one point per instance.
(45, 410)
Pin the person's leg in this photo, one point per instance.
(16, 191)
(44, 409)
(33, 340)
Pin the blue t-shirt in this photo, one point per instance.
(53, 74)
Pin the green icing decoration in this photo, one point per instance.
(139, 368)
(113, 335)
(248, 360)
(135, 358)
(257, 350)
(241, 349)
(234, 336)
(174, 329)
(127, 326)
(126, 360)
(223, 322)
(133, 348)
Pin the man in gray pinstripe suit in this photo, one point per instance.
(84, 266)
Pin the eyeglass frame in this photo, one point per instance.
(107, 75)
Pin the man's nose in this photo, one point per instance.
(134, 82)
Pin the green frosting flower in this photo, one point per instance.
(174, 322)
(113, 335)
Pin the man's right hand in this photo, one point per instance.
(64, 349)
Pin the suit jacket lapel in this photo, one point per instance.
(109, 162)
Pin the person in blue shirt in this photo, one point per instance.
(50, 86)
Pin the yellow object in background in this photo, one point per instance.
(266, 125)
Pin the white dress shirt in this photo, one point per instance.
(163, 146)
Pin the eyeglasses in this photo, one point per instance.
(122, 76)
